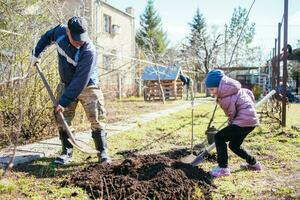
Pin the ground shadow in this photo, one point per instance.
(46, 168)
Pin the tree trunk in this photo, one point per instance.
(207, 94)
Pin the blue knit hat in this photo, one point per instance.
(213, 78)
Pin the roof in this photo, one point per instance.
(165, 72)
(116, 9)
(236, 68)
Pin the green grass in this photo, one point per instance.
(276, 148)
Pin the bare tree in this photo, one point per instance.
(201, 44)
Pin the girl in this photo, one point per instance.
(239, 106)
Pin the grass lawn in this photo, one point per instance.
(276, 148)
(117, 110)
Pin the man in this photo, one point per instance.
(77, 64)
(186, 80)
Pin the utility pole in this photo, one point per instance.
(285, 74)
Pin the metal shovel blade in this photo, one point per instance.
(188, 159)
(82, 146)
(201, 157)
(198, 159)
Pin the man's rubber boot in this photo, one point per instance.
(99, 137)
(67, 149)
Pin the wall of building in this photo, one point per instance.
(119, 39)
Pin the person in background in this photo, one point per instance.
(188, 82)
(239, 106)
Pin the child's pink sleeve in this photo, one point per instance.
(250, 93)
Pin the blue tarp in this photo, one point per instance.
(166, 73)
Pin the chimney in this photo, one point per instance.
(130, 11)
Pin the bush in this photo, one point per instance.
(26, 113)
(256, 91)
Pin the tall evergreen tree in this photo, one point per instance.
(151, 35)
(198, 28)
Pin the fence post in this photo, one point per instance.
(273, 69)
(275, 63)
(279, 49)
(285, 75)
(120, 86)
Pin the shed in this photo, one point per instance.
(171, 84)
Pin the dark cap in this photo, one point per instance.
(78, 28)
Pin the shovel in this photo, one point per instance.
(80, 145)
(191, 157)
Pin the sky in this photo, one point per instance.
(176, 14)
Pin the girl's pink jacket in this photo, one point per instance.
(238, 103)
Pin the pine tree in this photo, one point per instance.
(151, 35)
(198, 28)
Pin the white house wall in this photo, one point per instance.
(122, 44)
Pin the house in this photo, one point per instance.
(113, 32)
(170, 82)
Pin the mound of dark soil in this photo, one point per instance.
(142, 177)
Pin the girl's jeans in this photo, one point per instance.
(235, 135)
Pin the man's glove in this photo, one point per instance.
(59, 108)
(34, 60)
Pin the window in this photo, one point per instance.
(116, 29)
(107, 23)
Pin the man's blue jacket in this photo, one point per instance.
(77, 66)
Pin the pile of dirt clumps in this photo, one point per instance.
(142, 177)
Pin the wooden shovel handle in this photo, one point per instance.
(59, 114)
